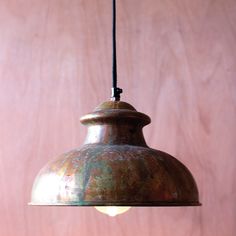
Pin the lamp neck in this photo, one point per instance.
(115, 134)
(115, 123)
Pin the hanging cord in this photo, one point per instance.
(115, 96)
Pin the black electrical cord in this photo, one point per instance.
(115, 90)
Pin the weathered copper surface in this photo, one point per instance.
(115, 167)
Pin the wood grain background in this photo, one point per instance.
(177, 63)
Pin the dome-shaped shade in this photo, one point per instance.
(115, 167)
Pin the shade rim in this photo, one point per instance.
(120, 204)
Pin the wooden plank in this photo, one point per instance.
(176, 62)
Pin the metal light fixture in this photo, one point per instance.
(115, 169)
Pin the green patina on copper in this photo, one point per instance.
(115, 167)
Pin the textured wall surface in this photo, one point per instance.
(177, 63)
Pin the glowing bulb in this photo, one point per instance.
(112, 210)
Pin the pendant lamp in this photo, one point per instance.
(115, 169)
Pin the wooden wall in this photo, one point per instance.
(177, 63)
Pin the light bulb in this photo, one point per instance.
(112, 210)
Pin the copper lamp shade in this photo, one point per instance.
(115, 167)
